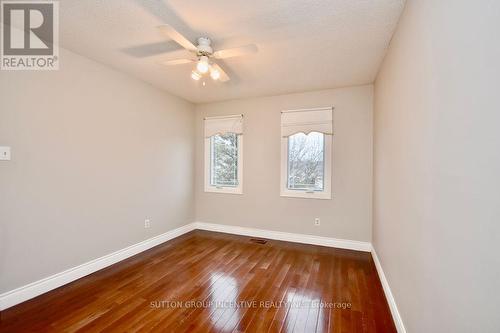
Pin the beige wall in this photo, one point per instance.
(436, 166)
(347, 215)
(94, 153)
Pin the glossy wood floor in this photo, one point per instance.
(211, 282)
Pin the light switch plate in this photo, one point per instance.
(4, 153)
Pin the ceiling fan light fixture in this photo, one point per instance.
(202, 65)
(214, 74)
(202, 53)
(195, 75)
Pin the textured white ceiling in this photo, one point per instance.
(303, 44)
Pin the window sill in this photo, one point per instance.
(305, 195)
(224, 190)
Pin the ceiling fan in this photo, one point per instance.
(203, 55)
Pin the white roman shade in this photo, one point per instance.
(223, 125)
(307, 121)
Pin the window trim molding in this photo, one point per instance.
(326, 194)
(207, 165)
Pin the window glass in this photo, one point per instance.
(224, 160)
(306, 156)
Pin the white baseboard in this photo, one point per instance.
(398, 321)
(315, 240)
(39, 287)
(286, 236)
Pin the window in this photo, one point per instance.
(223, 154)
(224, 160)
(306, 153)
(306, 157)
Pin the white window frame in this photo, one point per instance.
(208, 164)
(326, 193)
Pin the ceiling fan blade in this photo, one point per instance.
(223, 76)
(150, 50)
(177, 37)
(177, 58)
(236, 52)
(176, 62)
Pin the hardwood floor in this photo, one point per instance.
(212, 282)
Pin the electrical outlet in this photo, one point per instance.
(317, 221)
(147, 224)
(5, 153)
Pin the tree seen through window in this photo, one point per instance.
(224, 160)
(306, 161)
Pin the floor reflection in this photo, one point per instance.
(304, 310)
(224, 299)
